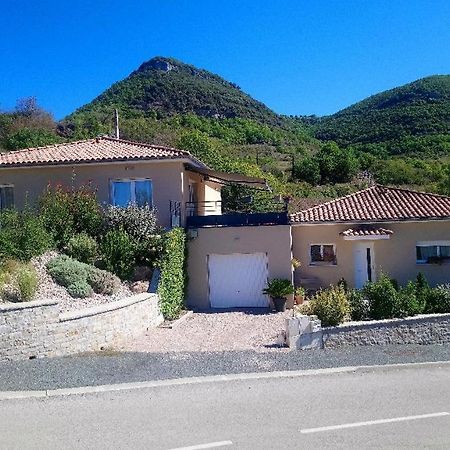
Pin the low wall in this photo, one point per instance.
(37, 329)
(430, 329)
(305, 332)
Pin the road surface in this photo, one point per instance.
(380, 407)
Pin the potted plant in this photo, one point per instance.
(278, 289)
(299, 295)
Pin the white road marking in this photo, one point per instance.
(373, 422)
(97, 389)
(210, 445)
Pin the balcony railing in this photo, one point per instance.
(204, 208)
(238, 219)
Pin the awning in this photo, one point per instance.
(229, 178)
(366, 232)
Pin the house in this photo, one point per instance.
(231, 256)
(171, 180)
(398, 231)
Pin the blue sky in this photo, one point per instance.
(298, 57)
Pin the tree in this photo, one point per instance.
(308, 169)
(336, 165)
(444, 187)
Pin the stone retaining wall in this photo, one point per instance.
(304, 332)
(37, 329)
(429, 329)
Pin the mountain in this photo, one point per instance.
(413, 118)
(165, 86)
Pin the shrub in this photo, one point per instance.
(75, 276)
(118, 252)
(66, 213)
(382, 297)
(27, 282)
(18, 281)
(438, 300)
(409, 304)
(138, 221)
(102, 282)
(83, 247)
(67, 271)
(422, 289)
(173, 275)
(79, 289)
(22, 235)
(330, 305)
(359, 305)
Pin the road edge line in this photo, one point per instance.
(81, 390)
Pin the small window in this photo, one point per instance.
(6, 196)
(323, 254)
(125, 192)
(433, 252)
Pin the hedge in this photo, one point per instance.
(173, 279)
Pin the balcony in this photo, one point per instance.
(209, 214)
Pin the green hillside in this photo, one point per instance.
(398, 137)
(414, 118)
(164, 86)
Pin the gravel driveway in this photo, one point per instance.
(216, 331)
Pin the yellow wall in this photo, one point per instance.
(273, 240)
(167, 180)
(396, 256)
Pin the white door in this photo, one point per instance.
(364, 263)
(237, 280)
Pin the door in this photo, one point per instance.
(237, 280)
(364, 263)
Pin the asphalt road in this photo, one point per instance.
(405, 407)
(109, 368)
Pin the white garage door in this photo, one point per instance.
(237, 280)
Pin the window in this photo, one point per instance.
(323, 254)
(433, 252)
(6, 196)
(139, 191)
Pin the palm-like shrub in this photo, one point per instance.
(279, 288)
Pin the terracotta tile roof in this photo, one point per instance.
(102, 149)
(378, 204)
(366, 231)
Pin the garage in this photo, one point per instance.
(237, 280)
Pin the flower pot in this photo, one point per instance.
(280, 304)
(299, 299)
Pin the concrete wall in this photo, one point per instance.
(396, 256)
(273, 240)
(167, 179)
(37, 329)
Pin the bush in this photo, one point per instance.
(67, 271)
(81, 279)
(409, 304)
(79, 289)
(102, 282)
(66, 213)
(438, 300)
(359, 305)
(22, 235)
(27, 282)
(382, 297)
(173, 275)
(330, 305)
(83, 247)
(138, 221)
(18, 281)
(118, 252)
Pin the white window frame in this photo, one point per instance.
(437, 244)
(7, 185)
(133, 191)
(322, 263)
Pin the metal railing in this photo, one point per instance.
(204, 208)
